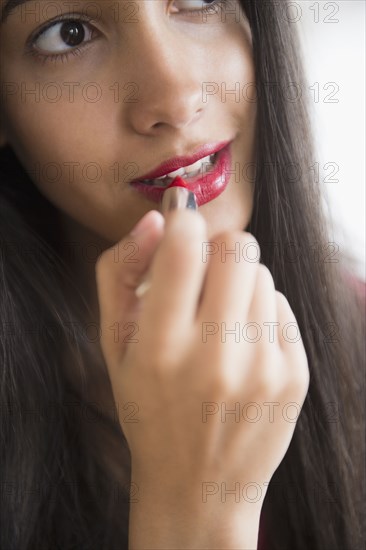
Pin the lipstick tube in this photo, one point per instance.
(176, 196)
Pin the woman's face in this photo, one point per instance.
(93, 103)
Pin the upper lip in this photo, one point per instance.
(181, 161)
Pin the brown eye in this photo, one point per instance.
(63, 35)
(72, 33)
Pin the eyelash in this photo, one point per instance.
(218, 4)
(55, 57)
(77, 50)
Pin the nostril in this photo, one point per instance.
(173, 121)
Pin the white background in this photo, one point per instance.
(334, 52)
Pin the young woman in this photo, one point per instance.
(146, 422)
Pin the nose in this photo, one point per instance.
(168, 82)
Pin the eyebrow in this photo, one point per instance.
(9, 6)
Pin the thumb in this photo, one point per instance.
(119, 270)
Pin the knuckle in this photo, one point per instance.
(157, 364)
(222, 380)
(284, 305)
(298, 382)
(268, 383)
(103, 263)
(244, 244)
(160, 358)
(251, 245)
(127, 274)
(302, 381)
(220, 385)
(287, 318)
(249, 238)
(226, 238)
(102, 258)
(281, 298)
(265, 277)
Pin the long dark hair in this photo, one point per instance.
(55, 491)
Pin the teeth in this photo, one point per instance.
(188, 171)
(196, 166)
(179, 172)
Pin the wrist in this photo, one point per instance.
(166, 516)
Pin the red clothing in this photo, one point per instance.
(261, 537)
(359, 285)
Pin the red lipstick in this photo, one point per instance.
(206, 186)
(179, 162)
(178, 182)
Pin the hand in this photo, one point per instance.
(183, 383)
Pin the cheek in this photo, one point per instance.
(44, 131)
(235, 88)
(62, 147)
(236, 59)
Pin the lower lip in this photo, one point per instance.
(206, 187)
